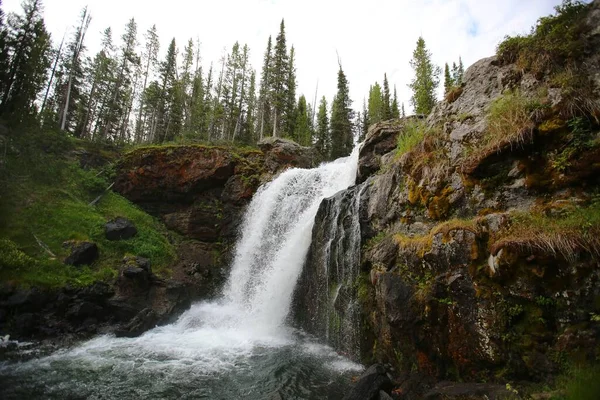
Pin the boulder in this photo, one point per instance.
(120, 229)
(370, 383)
(285, 153)
(82, 253)
(143, 321)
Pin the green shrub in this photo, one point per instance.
(410, 137)
(556, 40)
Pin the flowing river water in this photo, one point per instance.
(238, 346)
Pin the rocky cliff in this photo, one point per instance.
(479, 225)
(200, 192)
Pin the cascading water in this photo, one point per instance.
(238, 345)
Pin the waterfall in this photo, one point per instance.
(276, 235)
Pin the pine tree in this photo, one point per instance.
(460, 72)
(290, 117)
(264, 97)
(395, 109)
(149, 62)
(366, 121)
(249, 130)
(74, 80)
(376, 107)
(448, 83)
(279, 78)
(170, 109)
(387, 111)
(323, 136)
(302, 133)
(26, 60)
(402, 113)
(426, 79)
(342, 116)
(121, 91)
(102, 75)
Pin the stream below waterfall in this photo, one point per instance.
(238, 346)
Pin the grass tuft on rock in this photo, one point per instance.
(566, 233)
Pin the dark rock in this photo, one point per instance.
(143, 321)
(25, 324)
(384, 396)
(120, 229)
(85, 309)
(139, 262)
(370, 383)
(82, 253)
(469, 391)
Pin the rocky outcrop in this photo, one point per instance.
(137, 302)
(201, 193)
(479, 256)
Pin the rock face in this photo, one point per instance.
(128, 308)
(479, 255)
(201, 193)
(326, 296)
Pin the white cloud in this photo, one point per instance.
(371, 37)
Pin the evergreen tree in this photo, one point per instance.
(102, 74)
(323, 137)
(395, 109)
(387, 111)
(460, 72)
(264, 97)
(448, 83)
(402, 113)
(197, 124)
(342, 116)
(290, 109)
(302, 133)
(249, 130)
(73, 85)
(426, 80)
(98, 77)
(121, 92)
(364, 123)
(376, 107)
(185, 83)
(279, 75)
(149, 62)
(26, 59)
(170, 109)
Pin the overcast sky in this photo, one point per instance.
(370, 36)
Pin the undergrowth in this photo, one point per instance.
(46, 197)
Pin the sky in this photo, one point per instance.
(371, 37)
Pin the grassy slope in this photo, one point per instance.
(44, 192)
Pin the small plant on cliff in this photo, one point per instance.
(556, 40)
(410, 137)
